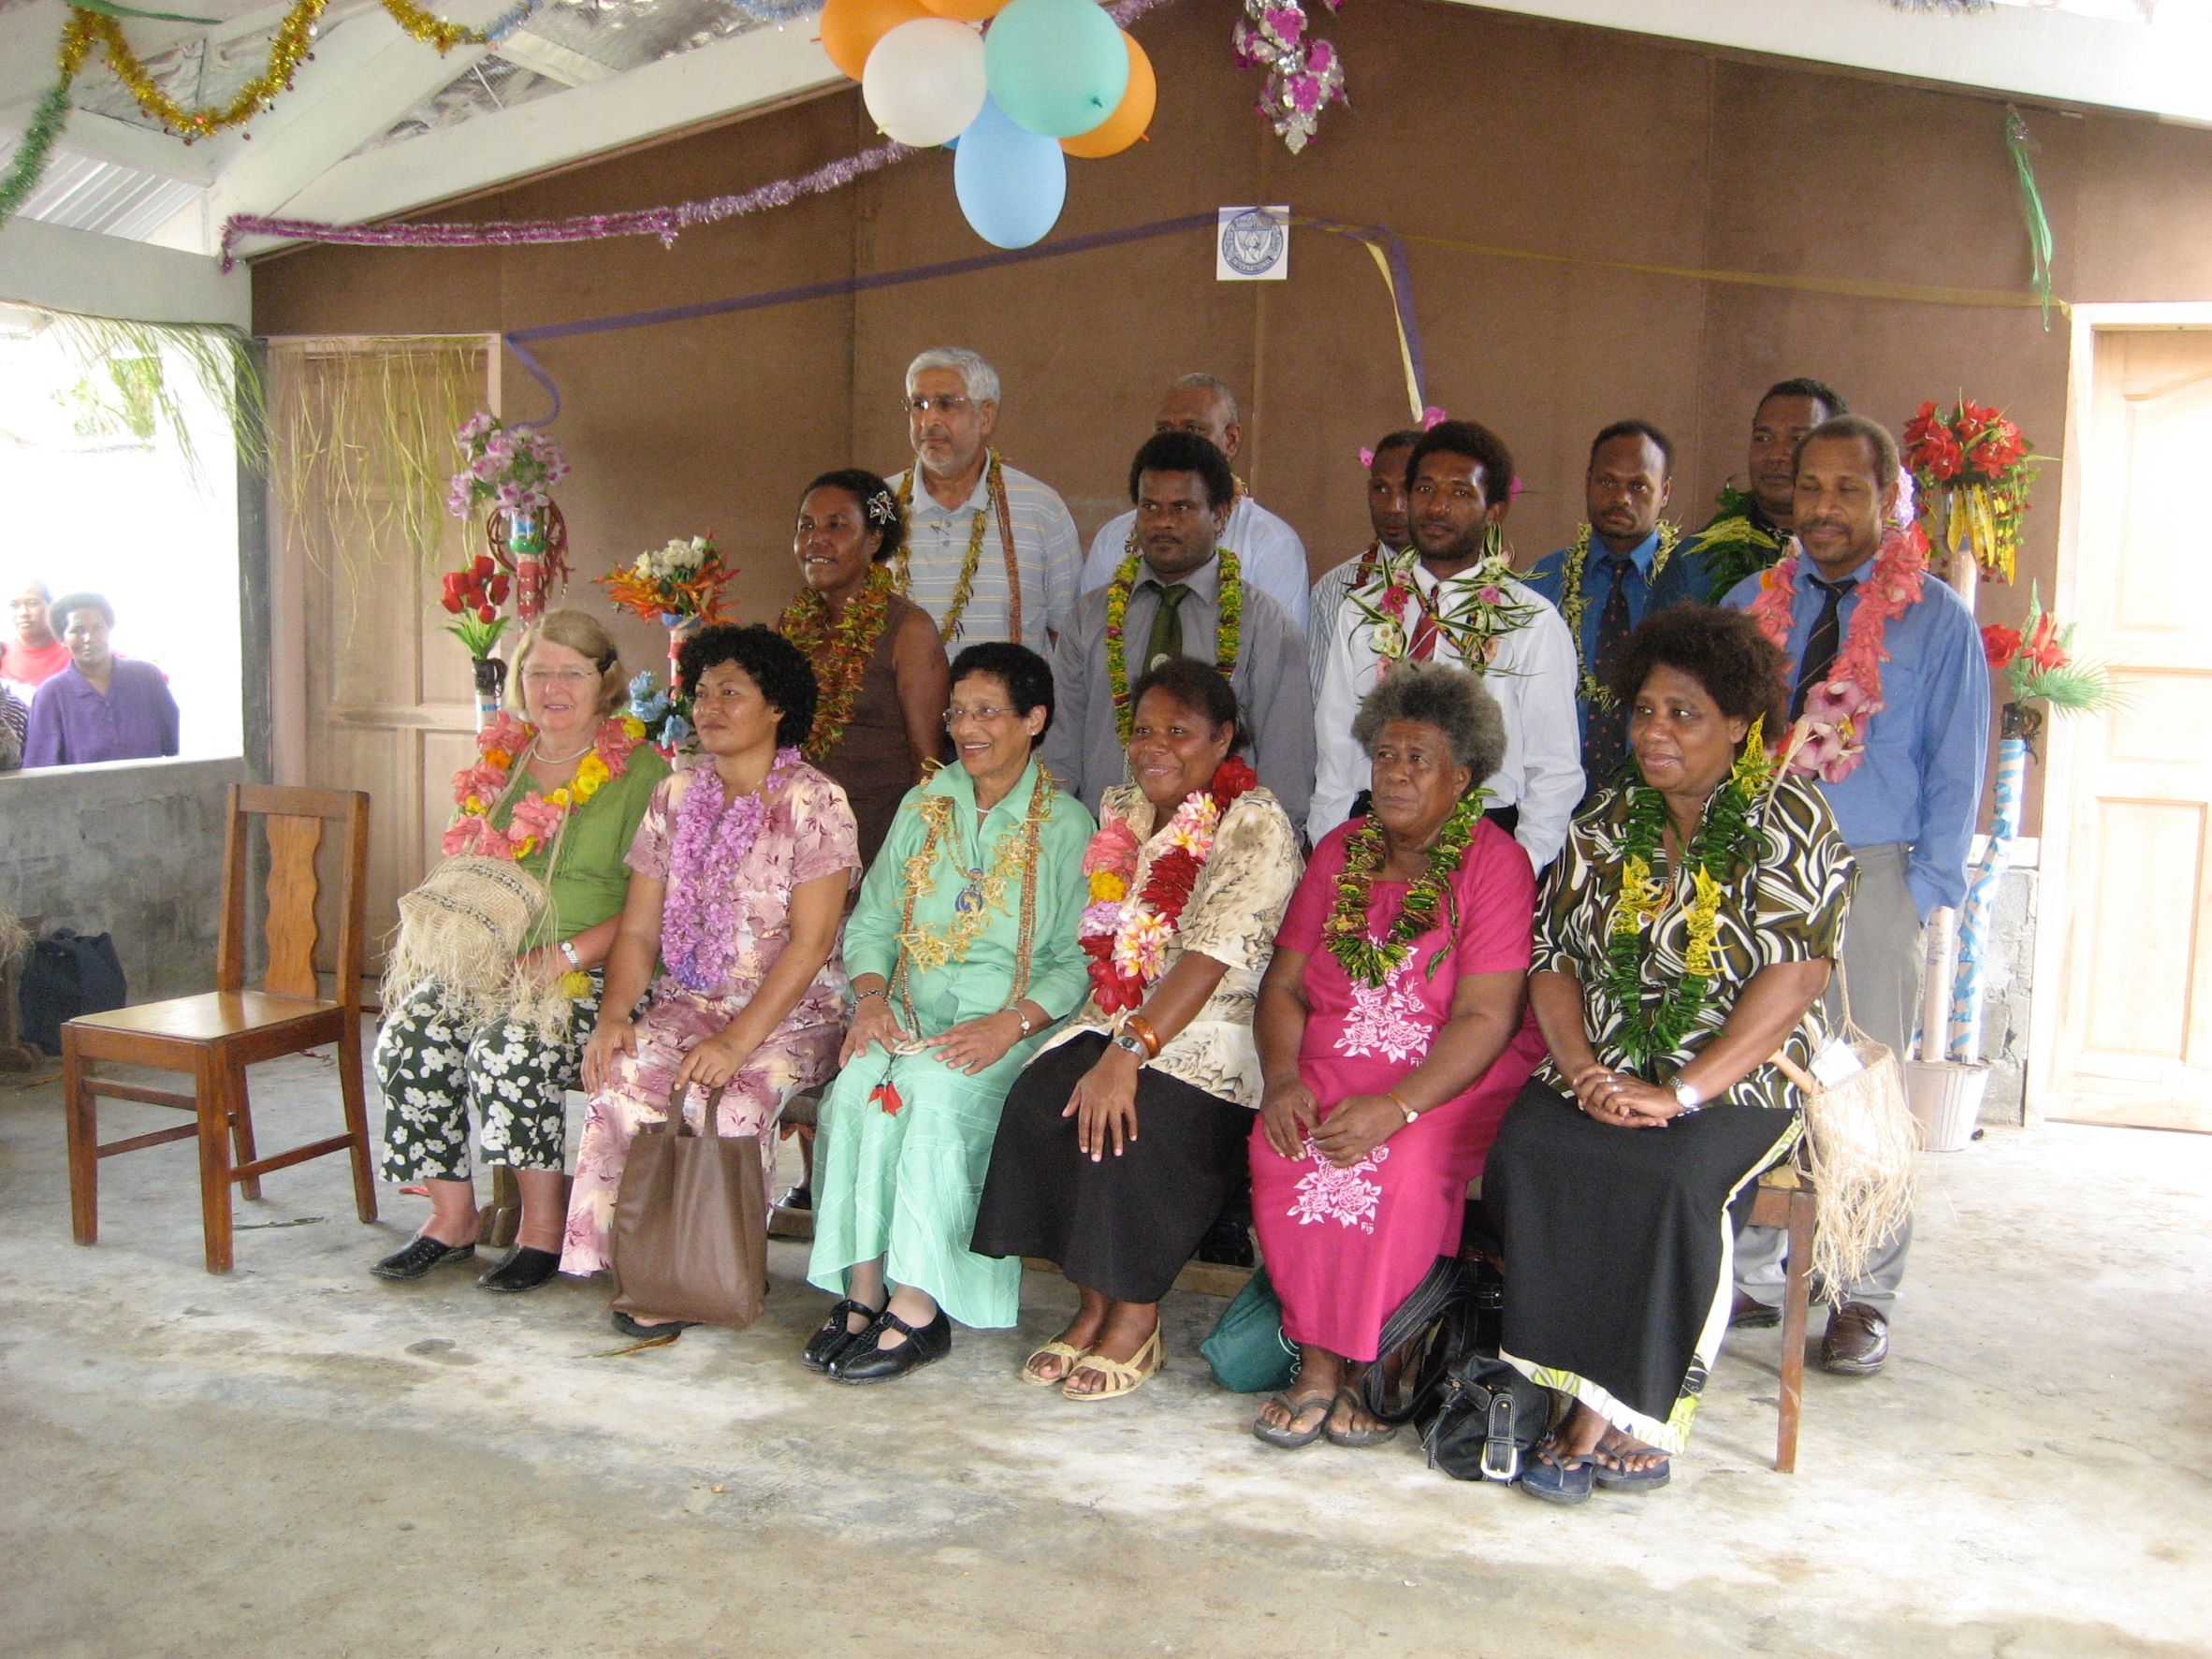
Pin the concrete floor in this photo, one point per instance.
(299, 1460)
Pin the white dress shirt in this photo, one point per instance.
(1532, 678)
(1268, 551)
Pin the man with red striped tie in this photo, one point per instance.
(1451, 597)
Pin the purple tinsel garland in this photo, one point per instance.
(667, 223)
(698, 915)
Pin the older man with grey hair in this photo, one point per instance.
(1269, 551)
(991, 553)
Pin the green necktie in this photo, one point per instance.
(1167, 627)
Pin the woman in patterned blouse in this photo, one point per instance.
(1123, 1140)
(1394, 1033)
(1622, 1171)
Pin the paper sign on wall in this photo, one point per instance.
(1253, 245)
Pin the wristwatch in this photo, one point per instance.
(1130, 1042)
(568, 949)
(1687, 1097)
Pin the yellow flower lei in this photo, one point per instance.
(964, 588)
(1573, 602)
(1226, 639)
(1016, 856)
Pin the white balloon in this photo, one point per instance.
(924, 81)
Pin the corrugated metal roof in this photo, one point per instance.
(83, 192)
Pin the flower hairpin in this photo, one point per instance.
(883, 507)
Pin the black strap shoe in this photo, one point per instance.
(418, 1256)
(523, 1268)
(630, 1326)
(835, 1335)
(864, 1363)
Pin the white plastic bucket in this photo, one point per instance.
(1946, 1101)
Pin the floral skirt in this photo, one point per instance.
(794, 1057)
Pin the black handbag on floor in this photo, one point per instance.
(67, 974)
(1488, 1422)
(1432, 1326)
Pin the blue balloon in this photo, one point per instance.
(1055, 66)
(1010, 181)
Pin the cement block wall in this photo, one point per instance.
(134, 849)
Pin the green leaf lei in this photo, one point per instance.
(1722, 843)
(1369, 961)
(1574, 602)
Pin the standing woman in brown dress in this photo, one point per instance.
(876, 656)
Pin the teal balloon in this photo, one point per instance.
(1056, 66)
(1010, 181)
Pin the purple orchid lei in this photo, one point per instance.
(713, 834)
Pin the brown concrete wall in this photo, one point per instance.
(1470, 131)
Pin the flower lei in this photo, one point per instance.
(964, 588)
(1126, 935)
(1370, 961)
(1838, 709)
(839, 650)
(1736, 543)
(1573, 602)
(1015, 857)
(1488, 613)
(713, 834)
(537, 817)
(1227, 637)
(1723, 840)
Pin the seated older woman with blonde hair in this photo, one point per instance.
(1393, 1034)
(559, 791)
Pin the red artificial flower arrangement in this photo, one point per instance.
(1979, 459)
(474, 593)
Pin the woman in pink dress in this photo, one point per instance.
(1393, 1033)
(738, 878)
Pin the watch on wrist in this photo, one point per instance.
(1129, 1042)
(1687, 1097)
(568, 949)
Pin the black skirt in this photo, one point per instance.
(1122, 1226)
(1618, 1244)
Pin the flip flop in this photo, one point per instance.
(1560, 1481)
(1054, 1349)
(1646, 1479)
(1122, 1376)
(1288, 1437)
(1355, 1437)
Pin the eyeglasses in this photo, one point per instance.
(985, 713)
(556, 677)
(949, 404)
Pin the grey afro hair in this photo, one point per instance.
(1437, 695)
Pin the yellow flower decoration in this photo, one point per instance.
(633, 728)
(1108, 887)
(524, 848)
(1704, 924)
(560, 797)
(574, 983)
(590, 773)
(1640, 898)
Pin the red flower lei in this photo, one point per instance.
(1115, 984)
(1838, 709)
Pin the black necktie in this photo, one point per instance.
(1166, 626)
(1822, 643)
(1604, 741)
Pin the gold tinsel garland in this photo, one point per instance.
(87, 30)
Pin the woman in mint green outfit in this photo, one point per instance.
(962, 952)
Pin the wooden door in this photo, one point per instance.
(2134, 1016)
(386, 703)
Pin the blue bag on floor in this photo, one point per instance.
(1247, 1352)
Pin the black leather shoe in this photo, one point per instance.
(1749, 1313)
(1856, 1341)
(864, 1363)
(799, 1198)
(836, 1336)
(418, 1256)
(523, 1268)
(630, 1326)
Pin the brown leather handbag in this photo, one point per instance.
(690, 1229)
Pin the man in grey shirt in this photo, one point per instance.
(1173, 597)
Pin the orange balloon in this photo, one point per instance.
(967, 11)
(1130, 116)
(850, 28)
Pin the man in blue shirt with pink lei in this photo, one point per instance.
(1889, 679)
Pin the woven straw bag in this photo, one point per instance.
(461, 930)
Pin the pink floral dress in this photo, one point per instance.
(808, 832)
(1344, 1247)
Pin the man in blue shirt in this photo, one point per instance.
(1625, 564)
(1907, 804)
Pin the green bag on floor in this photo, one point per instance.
(1247, 1352)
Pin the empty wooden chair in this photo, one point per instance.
(214, 1038)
